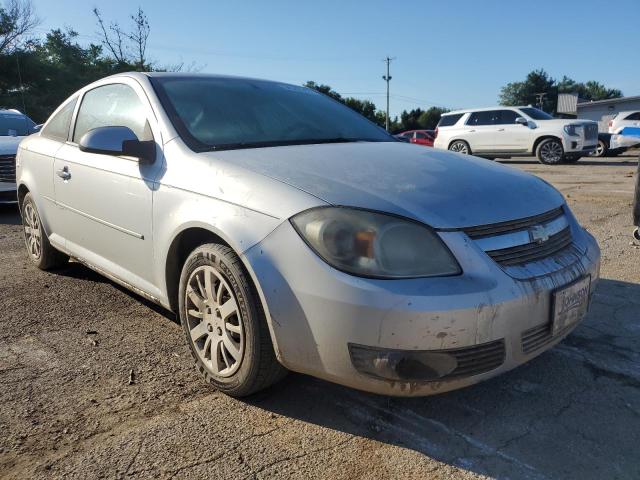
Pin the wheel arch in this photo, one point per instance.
(187, 240)
(454, 140)
(540, 139)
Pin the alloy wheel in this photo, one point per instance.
(459, 147)
(551, 152)
(214, 321)
(599, 150)
(32, 233)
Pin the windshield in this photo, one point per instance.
(536, 114)
(224, 113)
(13, 125)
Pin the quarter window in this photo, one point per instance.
(115, 105)
(449, 120)
(58, 127)
(633, 116)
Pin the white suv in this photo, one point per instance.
(514, 131)
(624, 119)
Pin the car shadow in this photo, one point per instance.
(602, 162)
(9, 215)
(570, 413)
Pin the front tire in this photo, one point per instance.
(40, 251)
(550, 151)
(224, 323)
(460, 146)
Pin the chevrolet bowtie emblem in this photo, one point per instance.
(538, 234)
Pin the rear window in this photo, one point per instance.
(449, 120)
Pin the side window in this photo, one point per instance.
(420, 135)
(484, 118)
(115, 105)
(507, 117)
(633, 116)
(58, 126)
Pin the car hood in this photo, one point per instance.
(440, 188)
(9, 145)
(561, 122)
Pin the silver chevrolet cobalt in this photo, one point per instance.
(290, 233)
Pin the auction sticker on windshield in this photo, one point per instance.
(570, 304)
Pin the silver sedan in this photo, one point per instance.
(290, 233)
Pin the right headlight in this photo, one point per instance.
(372, 244)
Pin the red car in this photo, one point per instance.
(420, 137)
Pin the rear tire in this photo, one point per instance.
(224, 323)
(602, 149)
(550, 151)
(40, 251)
(460, 146)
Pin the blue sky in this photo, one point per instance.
(449, 53)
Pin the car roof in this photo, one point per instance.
(11, 112)
(486, 109)
(141, 75)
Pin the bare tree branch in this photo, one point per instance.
(17, 19)
(114, 40)
(139, 36)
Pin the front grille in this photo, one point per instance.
(537, 337)
(513, 225)
(8, 168)
(477, 359)
(591, 132)
(532, 251)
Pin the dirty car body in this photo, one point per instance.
(380, 266)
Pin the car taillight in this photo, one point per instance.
(435, 133)
(611, 123)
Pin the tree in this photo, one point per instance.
(17, 19)
(127, 47)
(539, 81)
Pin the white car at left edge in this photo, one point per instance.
(14, 126)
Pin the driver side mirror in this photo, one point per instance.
(118, 141)
(522, 121)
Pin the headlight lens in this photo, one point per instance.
(571, 130)
(372, 244)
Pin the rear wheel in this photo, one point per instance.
(601, 149)
(550, 151)
(460, 146)
(224, 323)
(40, 251)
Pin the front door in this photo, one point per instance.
(511, 136)
(106, 201)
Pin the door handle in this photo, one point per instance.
(64, 173)
(501, 129)
(471, 131)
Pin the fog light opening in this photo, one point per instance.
(402, 365)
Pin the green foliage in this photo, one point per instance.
(539, 81)
(51, 70)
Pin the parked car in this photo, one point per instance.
(603, 149)
(516, 131)
(14, 126)
(419, 137)
(624, 119)
(288, 232)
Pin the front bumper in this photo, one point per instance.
(316, 312)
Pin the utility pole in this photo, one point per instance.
(387, 78)
(540, 98)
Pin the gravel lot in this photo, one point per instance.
(69, 340)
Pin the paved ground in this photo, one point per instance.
(68, 341)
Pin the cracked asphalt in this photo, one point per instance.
(70, 339)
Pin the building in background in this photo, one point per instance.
(600, 111)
